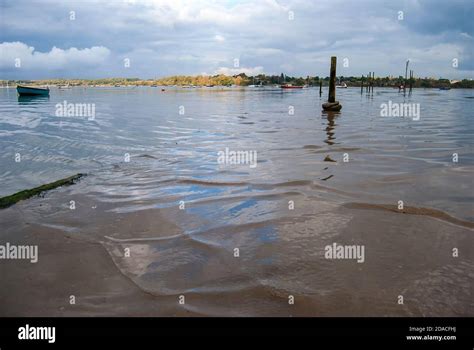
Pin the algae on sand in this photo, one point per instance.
(8, 201)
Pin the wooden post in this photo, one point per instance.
(409, 81)
(320, 87)
(332, 80)
(332, 104)
(373, 81)
(361, 84)
(406, 70)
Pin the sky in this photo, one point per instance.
(156, 38)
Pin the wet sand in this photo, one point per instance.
(68, 266)
(405, 254)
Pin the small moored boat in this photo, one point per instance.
(290, 86)
(32, 91)
(341, 86)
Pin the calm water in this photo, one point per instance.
(173, 158)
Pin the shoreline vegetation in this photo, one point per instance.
(242, 80)
(8, 201)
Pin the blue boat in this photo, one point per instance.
(32, 91)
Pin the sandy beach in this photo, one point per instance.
(405, 254)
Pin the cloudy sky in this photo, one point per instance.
(93, 38)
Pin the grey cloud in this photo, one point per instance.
(163, 38)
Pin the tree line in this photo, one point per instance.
(244, 80)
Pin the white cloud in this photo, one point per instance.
(53, 60)
(234, 71)
(219, 38)
(171, 12)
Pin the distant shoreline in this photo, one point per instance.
(243, 80)
(61, 87)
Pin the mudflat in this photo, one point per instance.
(405, 254)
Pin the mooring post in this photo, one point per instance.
(361, 84)
(320, 87)
(406, 70)
(373, 81)
(332, 80)
(332, 104)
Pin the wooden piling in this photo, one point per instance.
(332, 104)
(373, 81)
(332, 80)
(320, 87)
(361, 84)
(406, 70)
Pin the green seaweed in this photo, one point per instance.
(8, 201)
